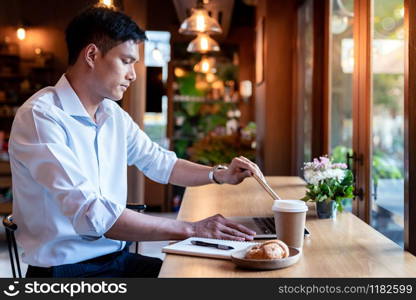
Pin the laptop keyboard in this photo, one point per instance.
(266, 225)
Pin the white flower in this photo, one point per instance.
(320, 170)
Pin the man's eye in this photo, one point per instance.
(126, 62)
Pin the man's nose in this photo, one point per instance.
(131, 75)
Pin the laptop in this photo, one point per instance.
(263, 226)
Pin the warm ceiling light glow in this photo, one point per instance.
(206, 65)
(179, 72)
(108, 3)
(218, 84)
(210, 77)
(21, 33)
(202, 44)
(200, 21)
(201, 85)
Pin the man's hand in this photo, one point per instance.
(218, 227)
(239, 168)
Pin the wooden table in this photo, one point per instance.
(345, 247)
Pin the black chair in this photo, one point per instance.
(10, 228)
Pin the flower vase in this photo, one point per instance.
(326, 209)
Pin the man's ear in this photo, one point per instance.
(90, 55)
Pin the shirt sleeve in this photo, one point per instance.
(39, 143)
(154, 161)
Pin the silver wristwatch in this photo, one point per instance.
(211, 173)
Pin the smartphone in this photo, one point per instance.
(306, 232)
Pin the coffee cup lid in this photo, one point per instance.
(289, 206)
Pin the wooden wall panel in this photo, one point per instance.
(274, 95)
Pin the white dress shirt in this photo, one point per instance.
(70, 174)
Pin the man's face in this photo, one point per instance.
(115, 70)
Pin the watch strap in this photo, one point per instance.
(212, 171)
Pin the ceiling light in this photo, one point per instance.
(179, 72)
(108, 3)
(21, 33)
(199, 22)
(203, 44)
(206, 65)
(210, 77)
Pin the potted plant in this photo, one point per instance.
(328, 184)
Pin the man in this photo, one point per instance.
(69, 149)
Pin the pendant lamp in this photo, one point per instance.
(203, 44)
(199, 22)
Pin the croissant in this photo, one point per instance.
(274, 249)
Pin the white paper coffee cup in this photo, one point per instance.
(290, 218)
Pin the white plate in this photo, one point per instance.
(265, 264)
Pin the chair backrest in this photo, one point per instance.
(12, 246)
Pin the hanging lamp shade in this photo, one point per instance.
(206, 65)
(200, 22)
(203, 44)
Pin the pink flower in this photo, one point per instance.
(339, 166)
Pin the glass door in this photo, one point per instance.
(387, 172)
(367, 119)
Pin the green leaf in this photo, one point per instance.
(305, 198)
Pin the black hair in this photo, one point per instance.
(105, 27)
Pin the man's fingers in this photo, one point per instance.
(219, 227)
(242, 164)
(233, 232)
(225, 236)
(239, 227)
(253, 165)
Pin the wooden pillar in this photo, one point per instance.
(134, 101)
(274, 95)
(321, 107)
(362, 107)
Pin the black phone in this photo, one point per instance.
(306, 232)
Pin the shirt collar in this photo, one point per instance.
(69, 99)
(72, 104)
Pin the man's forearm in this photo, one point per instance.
(134, 226)
(186, 173)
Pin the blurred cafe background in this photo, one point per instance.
(280, 82)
